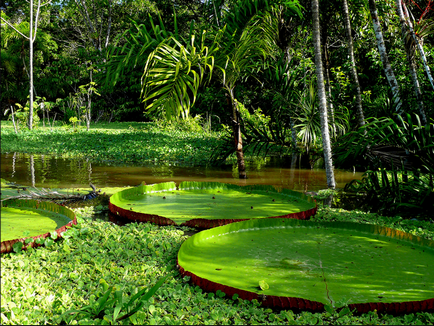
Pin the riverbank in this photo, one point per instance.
(123, 142)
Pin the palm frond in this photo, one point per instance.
(173, 74)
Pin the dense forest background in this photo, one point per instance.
(80, 43)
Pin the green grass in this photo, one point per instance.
(127, 142)
(39, 285)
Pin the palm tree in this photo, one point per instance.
(411, 63)
(424, 28)
(331, 183)
(174, 71)
(384, 58)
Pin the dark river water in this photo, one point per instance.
(56, 172)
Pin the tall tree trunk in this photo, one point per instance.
(411, 63)
(331, 183)
(325, 53)
(238, 140)
(293, 135)
(361, 117)
(31, 68)
(384, 58)
(419, 45)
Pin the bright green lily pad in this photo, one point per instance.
(16, 221)
(211, 200)
(30, 218)
(333, 263)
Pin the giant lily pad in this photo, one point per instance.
(22, 219)
(306, 265)
(208, 204)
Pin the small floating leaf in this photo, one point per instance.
(263, 285)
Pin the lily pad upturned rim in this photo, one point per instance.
(201, 223)
(301, 304)
(7, 245)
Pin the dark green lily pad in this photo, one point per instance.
(23, 219)
(306, 265)
(208, 204)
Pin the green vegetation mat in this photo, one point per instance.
(39, 285)
(132, 142)
(209, 201)
(328, 263)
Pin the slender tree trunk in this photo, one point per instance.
(361, 117)
(291, 121)
(384, 58)
(331, 183)
(88, 112)
(13, 118)
(419, 46)
(31, 68)
(293, 135)
(236, 127)
(43, 117)
(330, 109)
(216, 16)
(411, 63)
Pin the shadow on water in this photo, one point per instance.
(56, 172)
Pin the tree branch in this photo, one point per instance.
(14, 28)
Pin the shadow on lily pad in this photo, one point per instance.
(305, 265)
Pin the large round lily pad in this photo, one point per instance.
(305, 265)
(208, 204)
(22, 219)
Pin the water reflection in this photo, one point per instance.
(56, 172)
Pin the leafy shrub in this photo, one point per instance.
(401, 155)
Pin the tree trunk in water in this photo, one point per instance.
(331, 183)
(383, 55)
(32, 170)
(237, 137)
(359, 108)
(411, 63)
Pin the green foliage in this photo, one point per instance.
(387, 192)
(173, 74)
(21, 115)
(110, 305)
(390, 195)
(190, 125)
(117, 142)
(74, 121)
